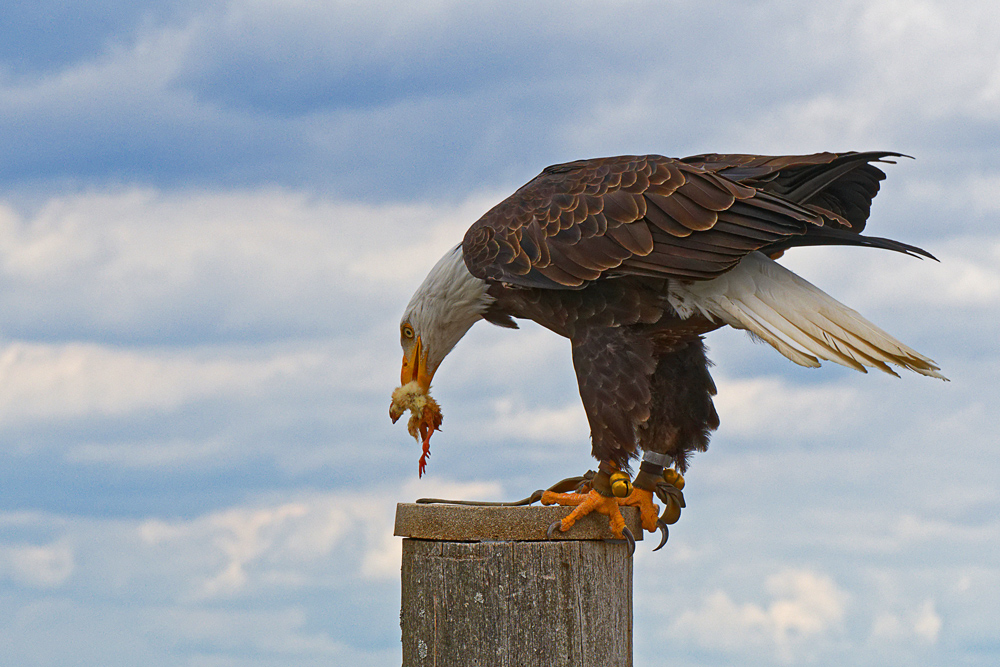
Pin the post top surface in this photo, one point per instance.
(469, 523)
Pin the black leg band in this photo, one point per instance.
(602, 483)
(649, 475)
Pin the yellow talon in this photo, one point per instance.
(621, 485)
(671, 512)
(673, 478)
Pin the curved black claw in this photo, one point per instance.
(630, 539)
(552, 528)
(664, 534)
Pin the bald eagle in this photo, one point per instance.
(634, 259)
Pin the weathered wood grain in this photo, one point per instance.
(512, 603)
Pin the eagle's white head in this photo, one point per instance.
(442, 310)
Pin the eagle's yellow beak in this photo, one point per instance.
(415, 367)
(413, 394)
(415, 376)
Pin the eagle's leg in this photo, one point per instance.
(666, 484)
(641, 497)
(599, 499)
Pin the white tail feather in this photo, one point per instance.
(797, 318)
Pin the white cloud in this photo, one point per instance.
(293, 544)
(128, 75)
(922, 624)
(763, 406)
(42, 566)
(298, 575)
(283, 631)
(806, 611)
(966, 277)
(195, 265)
(927, 624)
(922, 61)
(164, 454)
(343, 94)
(566, 424)
(872, 532)
(45, 382)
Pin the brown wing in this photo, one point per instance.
(629, 215)
(843, 184)
(690, 219)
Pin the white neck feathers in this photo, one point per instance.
(446, 305)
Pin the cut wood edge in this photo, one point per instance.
(464, 523)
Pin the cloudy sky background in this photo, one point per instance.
(213, 213)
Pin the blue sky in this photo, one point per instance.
(212, 214)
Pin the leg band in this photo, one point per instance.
(648, 477)
(662, 460)
(602, 483)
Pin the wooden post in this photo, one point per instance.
(484, 587)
